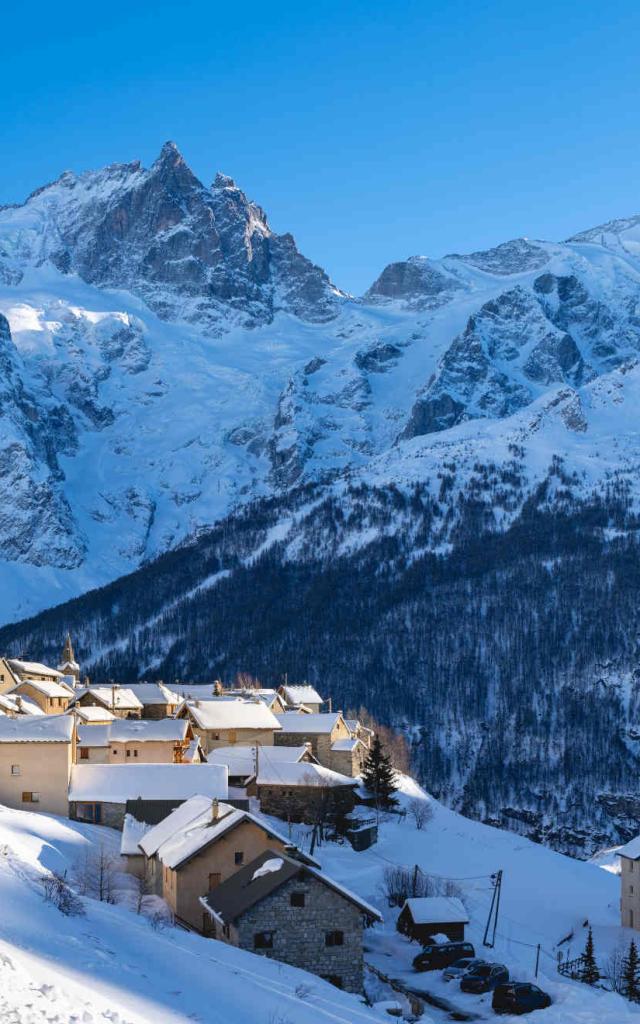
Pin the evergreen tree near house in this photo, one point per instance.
(379, 777)
(590, 973)
(631, 974)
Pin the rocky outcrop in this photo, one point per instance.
(417, 282)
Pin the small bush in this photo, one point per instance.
(57, 892)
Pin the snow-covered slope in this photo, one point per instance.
(113, 964)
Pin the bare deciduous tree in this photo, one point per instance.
(394, 742)
(95, 875)
(58, 892)
(421, 811)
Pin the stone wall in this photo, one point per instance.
(303, 803)
(299, 933)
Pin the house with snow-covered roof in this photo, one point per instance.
(13, 704)
(226, 721)
(134, 740)
(425, 916)
(301, 695)
(91, 714)
(36, 757)
(302, 791)
(33, 670)
(121, 701)
(271, 698)
(332, 741)
(158, 700)
(278, 907)
(242, 762)
(53, 698)
(198, 846)
(99, 793)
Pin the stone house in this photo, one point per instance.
(36, 758)
(271, 698)
(122, 741)
(630, 884)
(301, 696)
(34, 670)
(292, 912)
(53, 698)
(119, 700)
(13, 704)
(423, 917)
(157, 700)
(199, 846)
(99, 793)
(348, 756)
(8, 678)
(226, 721)
(322, 731)
(301, 791)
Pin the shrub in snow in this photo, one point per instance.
(57, 891)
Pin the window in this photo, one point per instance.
(128, 753)
(297, 899)
(239, 857)
(232, 736)
(84, 753)
(334, 938)
(631, 890)
(631, 918)
(135, 753)
(15, 769)
(89, 812)
(630, 865)
(214, 879)
(263, 940)
(31, 798)
(335, 979)
(115, 751)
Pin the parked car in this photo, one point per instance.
(461, 967)
(484, 978)
(519, 997)
(436, 956)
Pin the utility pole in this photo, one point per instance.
(537, 958)
(496, 881)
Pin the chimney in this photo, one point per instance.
(215, 809)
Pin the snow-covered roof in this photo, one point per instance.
(347, 744)
(437, 910)
(184, 815)
(154, 693)
(93, 713)
(125, 730)
(33, 668)
(132, 832)
(631, 850)
(224, 713)
(317, 722)
(19, 704)
(241, 760)
(117, 783)
(36, 729)
(301, 695)
(284, 773)
(118, 696)
(46, 687)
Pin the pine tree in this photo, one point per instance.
(631, 974)
(378, 776)
(590, 973)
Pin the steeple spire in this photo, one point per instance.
(68, 664)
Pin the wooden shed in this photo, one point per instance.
(423, 917)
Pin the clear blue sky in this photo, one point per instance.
(369, 130)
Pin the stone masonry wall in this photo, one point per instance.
(299, 933)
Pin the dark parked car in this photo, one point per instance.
(484, 978)
(461, 967)
(519, 997)
(442, 954)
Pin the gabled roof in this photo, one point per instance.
(46, 687)
(126, 730)
(197, 835)
(304, 694)
(34, 667)
(264, 876)
(284, 773)
(347, 744)
(188, 812)
(117, 783)
(154, 693)
(132, 832)
(437, 910)
(118, 696)
(229, 713)
(20, 705)
(317, 722)
(36, 729)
